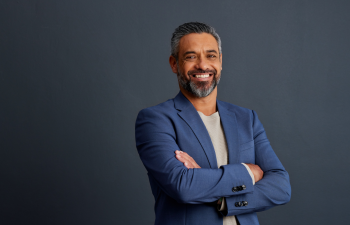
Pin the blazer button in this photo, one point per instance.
(243, 187)
(244, 203)
(238, 204)
(234, 189)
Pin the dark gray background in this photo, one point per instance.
(74, 74)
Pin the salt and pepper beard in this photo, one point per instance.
(198, 89)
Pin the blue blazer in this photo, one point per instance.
(185, 196)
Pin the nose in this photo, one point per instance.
(202, 63)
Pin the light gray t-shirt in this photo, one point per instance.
(217, 136)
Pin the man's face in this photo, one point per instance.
(199, 64)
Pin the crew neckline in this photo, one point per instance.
(214, 115)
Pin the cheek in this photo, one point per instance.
(218, 74)
(217, 65)
(186, 66)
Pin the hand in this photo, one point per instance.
(187, 160)
(257, 172)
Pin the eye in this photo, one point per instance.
(190, 57)
(212, 56)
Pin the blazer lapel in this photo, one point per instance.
(190, 115)
(229, 123)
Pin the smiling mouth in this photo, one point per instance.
(201, 75)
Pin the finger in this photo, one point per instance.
(182, 159)
(194, 163)
(186, 162)
(189, 165)
(188, 158)
(185, 155)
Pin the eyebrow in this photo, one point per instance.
(193, 52)
(212, 51)
(189, 52)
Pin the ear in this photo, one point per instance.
(221, 60)
(172, 62)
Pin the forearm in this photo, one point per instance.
(274, 189)
(192, 186)
(222, 201)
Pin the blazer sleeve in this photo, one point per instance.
(156, 145)
(273, 189)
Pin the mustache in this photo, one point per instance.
(191, 72)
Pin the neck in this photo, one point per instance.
(206, 105)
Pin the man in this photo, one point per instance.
(209, 162)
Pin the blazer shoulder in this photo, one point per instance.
(163, 108)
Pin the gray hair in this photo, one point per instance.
(189, 28)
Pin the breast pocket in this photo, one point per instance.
(247, 153)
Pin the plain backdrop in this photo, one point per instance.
(75, 73)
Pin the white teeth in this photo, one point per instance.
(202, 76)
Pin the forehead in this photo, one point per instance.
(197, 42)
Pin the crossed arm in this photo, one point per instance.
(190, 163)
